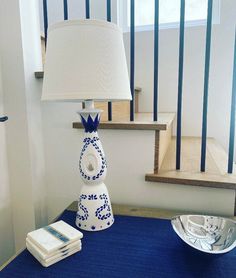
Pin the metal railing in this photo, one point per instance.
(180, 74)
(232, 117)
(180, 84)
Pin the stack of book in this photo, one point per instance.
(53, 243)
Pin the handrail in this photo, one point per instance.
(87, 9)
(232, 117)
(156, 61)
(109, 19)
(45, 20)
(132, 56)
(206, 86)
(180, 84)
(65, 9)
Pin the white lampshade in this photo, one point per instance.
(85, 59)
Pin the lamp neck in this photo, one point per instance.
(89, 104)
(90, 117)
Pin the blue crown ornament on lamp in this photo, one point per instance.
(90, 124)
(85, 61)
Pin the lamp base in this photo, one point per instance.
(94, 208)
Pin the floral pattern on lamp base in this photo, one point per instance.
(94, 206)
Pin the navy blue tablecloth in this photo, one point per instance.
(133, 247)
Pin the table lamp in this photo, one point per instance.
(85, 61)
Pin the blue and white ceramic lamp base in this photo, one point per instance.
(94, 206)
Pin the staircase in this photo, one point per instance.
(164, 171)
(216, 172)
(165, 146)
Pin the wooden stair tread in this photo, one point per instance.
(143, 121)
(216, 166)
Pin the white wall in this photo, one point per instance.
(31, 46)
(20, 53)
(130, 153)
(17, 128)
(6, 224)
